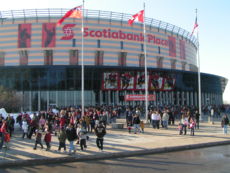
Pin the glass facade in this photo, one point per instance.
(41, 87)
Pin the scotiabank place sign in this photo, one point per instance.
(120, 35)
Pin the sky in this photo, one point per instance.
(213, 21)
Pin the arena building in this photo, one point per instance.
(42, 61)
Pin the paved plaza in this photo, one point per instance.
(117, 143)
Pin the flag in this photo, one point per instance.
(139, 16)
(195, 26)
(74, 13)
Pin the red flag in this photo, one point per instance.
(195, 26)
(75, 13)
(139, 16)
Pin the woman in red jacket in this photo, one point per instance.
(47, 140)
(2, 133)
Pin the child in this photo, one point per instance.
(24, 128)
(192, 127)
(47, 140)
(142, 126)
(129, 126)
(81, 132)
(62, 139)
(38, 139)
(180, 128)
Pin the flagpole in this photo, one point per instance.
(82, 62)
(146, 73)
(199, 80)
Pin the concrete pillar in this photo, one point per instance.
(191, 99)
(178, 98)
(196, 99)
(100, 97)
(56, 98)
(39, 100)
(187, 98)
(182, 98)
(48, 100)
(109, 97)
(163, 98)
(161, 102)
(30, 102)
(166, 97)
(173, 98)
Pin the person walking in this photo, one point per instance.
(62, 139)
(38, 139)
(3, 131)
(136, 123)
(197, 117)
(24, 128)
(100, 132)
(47, 139)
(225, 123)
(71, 135)
(165, 119)
(82, 135)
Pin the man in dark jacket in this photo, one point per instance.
(100, 132)
(71, 135)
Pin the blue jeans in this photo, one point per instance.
(225, 129)
(136, 127)
(165, 124)
(71, 146)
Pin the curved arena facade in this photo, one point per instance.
(42, 61)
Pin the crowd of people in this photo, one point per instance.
(70, 124)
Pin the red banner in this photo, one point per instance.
(48, 34)
(136, 81)
(139, 97)
(156, 82)
(110, 81)
(172, 46)
(24, 35)
(127, 80)
(182, 49)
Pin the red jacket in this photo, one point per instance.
(62, 121)
(47, 137)
(3, 128)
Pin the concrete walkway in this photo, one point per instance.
(117, 143)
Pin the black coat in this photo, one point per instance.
(71, 134)
(100, 131)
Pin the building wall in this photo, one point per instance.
(110, 46)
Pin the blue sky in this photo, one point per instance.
(213, 20)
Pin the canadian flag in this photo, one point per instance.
(195, 26)
(139, 16)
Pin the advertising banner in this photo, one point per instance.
(182, 49)
(110, 81)
(24, 35)
(140, 81)
(172, 46)
(156, 82)
(139, 97)
(127, 80)
(136, 81)
(48, 34)
(169, 83)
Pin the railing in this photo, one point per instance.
(123, 17)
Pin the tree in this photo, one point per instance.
(10, 100)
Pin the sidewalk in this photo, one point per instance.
(117, 143)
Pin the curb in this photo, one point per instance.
(103, 156)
